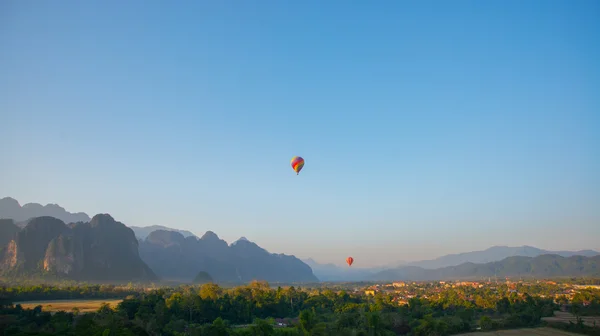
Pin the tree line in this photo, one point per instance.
(258, 309)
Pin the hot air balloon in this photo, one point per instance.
(349, 261)
(297, 164)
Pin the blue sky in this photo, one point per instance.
(428, 127)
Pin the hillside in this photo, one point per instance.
(175, 257)
(8, 230)
(543, 266)
(494, 253)
(102, 249)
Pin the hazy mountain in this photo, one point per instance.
(203, 278)
(141, 232)
(81, 250)
(175, 257)
(494, 253)
(10, 208)
(102, 249)
(331, 272)
(254, 262)
(542, 266)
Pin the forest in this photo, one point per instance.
(259, 309)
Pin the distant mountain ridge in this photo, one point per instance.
(11, 209)
(175, 257)
(175, 253)
(494, 253)
(331, 272)
(542, 266)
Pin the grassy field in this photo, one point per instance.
(68, 305)
(524, 332)
(565, 317)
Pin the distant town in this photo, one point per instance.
(561, 293)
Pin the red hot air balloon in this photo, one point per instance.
(349, 261)
(297, 164)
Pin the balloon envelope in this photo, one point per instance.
(297, 164)
(349, 261)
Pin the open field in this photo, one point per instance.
(68, 305)
(523, 332)
(565, 317)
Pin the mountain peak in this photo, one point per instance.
(209, 235)
(55, 206)
(165, 237)
(141, 232)
(242, 239)
(245, 243)
(10, 200)
(101, 219)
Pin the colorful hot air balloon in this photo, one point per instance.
(349, 261)
(297, 164)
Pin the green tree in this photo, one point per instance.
(262, 328)
(307, 320)
(210, 291)
(486, 323)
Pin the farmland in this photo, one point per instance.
(69, 305)
(523, 332)
(565, 317)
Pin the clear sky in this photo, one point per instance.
(428, 127)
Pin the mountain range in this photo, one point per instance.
(36, 238)
(11, 209)
(542, 266)
(175, 257)
(101, 249)
(494, 253)
(104, 249)
(331, 272)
